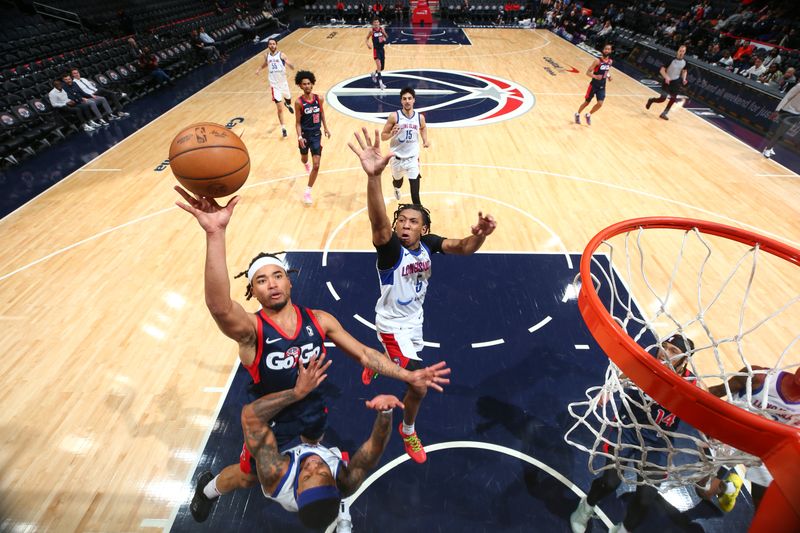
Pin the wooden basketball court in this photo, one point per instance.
(112, 369)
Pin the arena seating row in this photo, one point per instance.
(29, 124)
(479, 11)
(353, 13)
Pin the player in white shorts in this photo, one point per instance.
(404, 248)
(403, 129)
(310, 479)
(276, 62)
(781, 392)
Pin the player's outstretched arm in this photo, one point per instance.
(431, 377)
(287, 62)
(368, 455)
(230, 316)
(737, 384)
(389, 128)
(373, 163)
(471, 244)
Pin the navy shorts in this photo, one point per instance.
(313, 143)
(596, 91)
(380, 54)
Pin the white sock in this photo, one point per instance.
(408, 429)
(308, 189)
(211, 491)
(730, 488)
(588, 114)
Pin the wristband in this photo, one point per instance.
(387, 412)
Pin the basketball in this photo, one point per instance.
(209, 159)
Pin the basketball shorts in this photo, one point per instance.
(672, 88)
(280, 90)
(311, 426)
(380, 54)
(405, 168)
(596, 91)
(403, 345)
(758, 475)
(313, 143)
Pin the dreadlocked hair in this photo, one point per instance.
(249, 291)
(426, 214)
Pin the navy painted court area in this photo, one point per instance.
(511, 394)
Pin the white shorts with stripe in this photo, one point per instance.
(280, 90)
(405, 168)
(405, 341)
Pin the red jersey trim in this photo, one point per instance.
(263, 315)
(253, 368)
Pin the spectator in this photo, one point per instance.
(209, 41)
(148, 62)
(246, 28)
(209, 51)
(88, 102)
(772, 76)
(726, 61)
(134, 48)
(91, 88)
(605, 30)
(756, 70)
(787, 81)
(774, 56)
(745, 49)
(62, 103)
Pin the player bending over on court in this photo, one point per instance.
(674, 352)
(310, 115)
(276, 63)
(271, 342)
(773, 393)
(403, 129)
(311, 479)
(405, 247)
(600, 72)
(376, 41)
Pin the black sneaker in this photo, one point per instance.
(201, 505)
(663, 116)
(289, 107)
(649, 103)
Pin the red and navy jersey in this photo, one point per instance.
(277, 354)
(310, 120)
(663, 417)
(602, 69)
(378, 39)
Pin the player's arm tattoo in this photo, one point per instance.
(384, 366)
(367, 457)
(261, 442)
(266, 407)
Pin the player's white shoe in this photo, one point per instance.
(580, 517)
(375, 77)
(307, 197)
(381, 85)
(344, 524)
(769, 152)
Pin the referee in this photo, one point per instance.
(786, 115)
(674, 75)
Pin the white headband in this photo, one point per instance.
(262, 262)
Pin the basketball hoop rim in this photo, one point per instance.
(717, 418)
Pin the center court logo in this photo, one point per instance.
(448, 98)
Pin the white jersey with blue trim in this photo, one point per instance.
(777, 407)
(406, 143)
(403, 289)
(286, 491)
(276, 68)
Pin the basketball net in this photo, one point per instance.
(741, 307)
